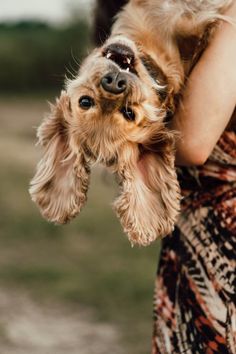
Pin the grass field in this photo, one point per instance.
(88, 264)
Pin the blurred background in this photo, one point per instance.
(74, 289)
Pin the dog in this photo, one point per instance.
(116, 111)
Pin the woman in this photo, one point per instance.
(195, 297)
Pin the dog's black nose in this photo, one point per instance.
(114, 82)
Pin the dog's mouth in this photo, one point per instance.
(121, 55)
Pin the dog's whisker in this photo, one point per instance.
(76, 60)
(71, 70)
(72, 75)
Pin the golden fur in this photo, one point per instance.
(140, 152)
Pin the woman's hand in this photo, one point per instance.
(209, 98)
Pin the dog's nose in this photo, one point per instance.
(114, 82)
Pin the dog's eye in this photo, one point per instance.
(128, 113)
(86, 102)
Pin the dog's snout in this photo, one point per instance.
(114, 82)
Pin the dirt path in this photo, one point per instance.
(29, 328)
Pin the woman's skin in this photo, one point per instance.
(209, 98)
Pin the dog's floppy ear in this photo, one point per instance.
(61, 181)
(150, 199)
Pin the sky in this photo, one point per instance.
(49, 10)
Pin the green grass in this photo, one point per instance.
(86, 263)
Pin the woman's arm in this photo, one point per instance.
(209, 98)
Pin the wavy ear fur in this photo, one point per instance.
(150, 199)
(61, 181)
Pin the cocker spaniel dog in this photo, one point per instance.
(116, 112)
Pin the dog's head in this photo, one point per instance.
(112, 113)
(114, 100)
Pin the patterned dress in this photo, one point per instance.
(195, 295)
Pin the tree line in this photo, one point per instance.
(37, 56)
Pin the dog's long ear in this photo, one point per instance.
(61, 181)
(150, 198)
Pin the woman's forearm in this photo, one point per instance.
(209, 98)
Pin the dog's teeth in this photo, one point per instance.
(127, 69)
(109, 55)
(128, 60)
